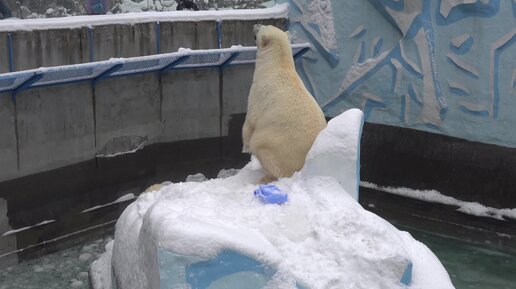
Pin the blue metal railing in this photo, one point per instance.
(93, 71)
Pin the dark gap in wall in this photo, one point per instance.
(466, 170)
(439, 219)
(62, 194)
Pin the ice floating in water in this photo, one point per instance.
(216, 234)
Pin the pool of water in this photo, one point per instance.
(63, 269)
(469, 265)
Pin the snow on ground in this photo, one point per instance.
(470, 208)
(12, 24)
(170, 5)
(28, 227)
(124, 198)
(320, 238)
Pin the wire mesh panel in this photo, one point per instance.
(245, 57)
(184, 59)
(65, 74)
(138, 65)
(12, 80)
(300, 48)
(132, 67)
(209, 59)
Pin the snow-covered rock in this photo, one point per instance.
(336, 152)
(216, 234)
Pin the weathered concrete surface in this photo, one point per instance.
(236, 84)
(127, 112)
(193, 35)
(241, 32)
(4, 53)
(121, 41)
(62, 129)
(237, 80)
(8, 162)
(55, 127)
(7, 243)
(190, 105)
(33, 49)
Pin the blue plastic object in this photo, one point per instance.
(229, 269)
(406, 279)
(270, 194)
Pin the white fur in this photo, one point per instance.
(283, 119)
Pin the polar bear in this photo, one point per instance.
(283, 119)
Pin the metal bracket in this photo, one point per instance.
(301, 52)
(231, 58)
(26, 84)
(174, 63)
(106, 73)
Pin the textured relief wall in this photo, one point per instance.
(443, 66)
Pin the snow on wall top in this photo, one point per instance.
(278, 11)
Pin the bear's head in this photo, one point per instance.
(268, 37)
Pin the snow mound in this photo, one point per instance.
(335, 151)
(320, 238)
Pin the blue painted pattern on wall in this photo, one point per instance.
(445, 66)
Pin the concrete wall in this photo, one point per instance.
(132, 117)
(33, 49)
(4, 53)
(52, 127)
(444, 66)
(7, 243)
(236, 88)
(55, 127)
(191, 105)
(8, 151)
(122, 40)
(80, 137)
(194, 35)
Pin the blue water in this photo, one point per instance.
(63, 269)
(472, 265)
(469, 265)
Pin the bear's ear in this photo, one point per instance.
(265, 40)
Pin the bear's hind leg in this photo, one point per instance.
(267, 179)
(271, 164)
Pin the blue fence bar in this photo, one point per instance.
(300, 52)
(231, 58)
(11, 52)
(219, 33)
(183, 59)
(158, 37)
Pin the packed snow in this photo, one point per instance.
(124, 198)
(470, 208)
(320, 238)
(28, 227)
